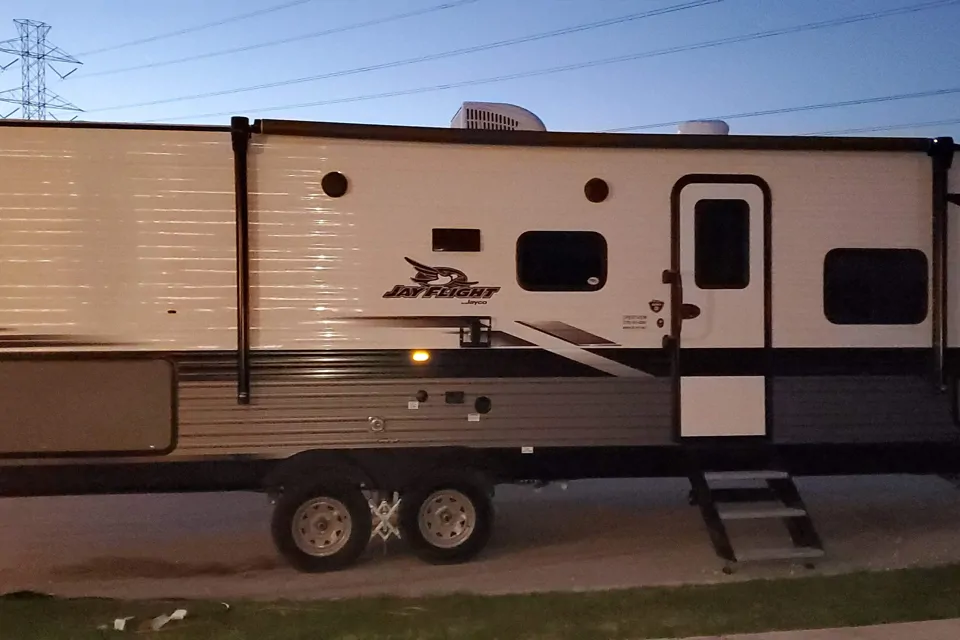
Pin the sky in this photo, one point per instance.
(665, 75)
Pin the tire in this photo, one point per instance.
(438, 540)
(324, 551)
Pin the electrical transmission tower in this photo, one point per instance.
(35, 100)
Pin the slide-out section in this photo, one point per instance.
(87, 406)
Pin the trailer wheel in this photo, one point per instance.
(321, 527)
(447, 522)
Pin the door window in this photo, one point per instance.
(721, 244)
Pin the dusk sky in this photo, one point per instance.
(665, 74)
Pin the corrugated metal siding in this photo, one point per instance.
(287, 417)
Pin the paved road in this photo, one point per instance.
(594, 535)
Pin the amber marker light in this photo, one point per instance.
(420, 356)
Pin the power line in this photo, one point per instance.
(593, 63)
(889, 127)
(208, 25)
(425, 58)
(273, 43)
(806, 107)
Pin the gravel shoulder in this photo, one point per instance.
(595, 535)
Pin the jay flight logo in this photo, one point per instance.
(441, 282)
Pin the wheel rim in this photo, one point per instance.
(447, 518)
(322, 527)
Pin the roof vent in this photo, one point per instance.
(496, 115)
(704, 127)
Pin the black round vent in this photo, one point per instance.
(334, 184)
(596, 189)
(483, 404)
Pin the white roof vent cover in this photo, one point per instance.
(704, 127)
(497, 116)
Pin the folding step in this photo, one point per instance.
(757, 513)
(776, 497)
(751, 474)
(785, 553)
(743, 494)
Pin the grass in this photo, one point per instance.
(676, 612)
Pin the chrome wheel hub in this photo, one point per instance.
(447, 518)
(322, 526)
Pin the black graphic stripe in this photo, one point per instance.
(655, 362)
(346, 364)
(397, 363)
(786, 362)
(501, 339)
(504, 339)
(523, 362)
(31, 341)
(498, 338)
(567, 333)
(405, 322)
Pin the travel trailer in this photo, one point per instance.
(378, 325)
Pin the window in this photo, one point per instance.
(875, 286)
(721, 244)
(561, 261)
(456, 239)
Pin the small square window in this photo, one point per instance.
(456, 239)
(875, 286)
(721, 239)
(561, 261)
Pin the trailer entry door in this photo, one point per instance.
(721, 332)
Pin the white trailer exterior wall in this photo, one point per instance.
(103, 232)
(124, 240)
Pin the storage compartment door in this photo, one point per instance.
(61, 407)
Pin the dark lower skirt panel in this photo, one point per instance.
(506, 465)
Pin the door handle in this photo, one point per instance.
(671, 277)
(689, 311)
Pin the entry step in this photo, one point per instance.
(786, 553)
(757, 513)
(756, 474)
(751, 492)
